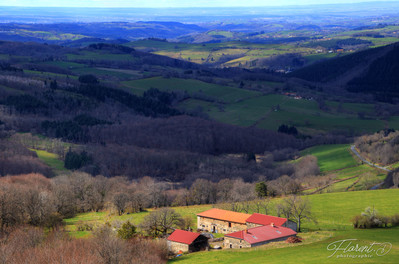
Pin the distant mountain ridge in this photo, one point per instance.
(63, 32)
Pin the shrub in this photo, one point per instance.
(84, 227)
(394, 220)
(370, 219)
(127, 231)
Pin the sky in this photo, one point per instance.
(170, 3)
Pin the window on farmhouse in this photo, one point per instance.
(229, 224)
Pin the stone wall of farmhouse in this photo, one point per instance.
(175, 247)
(231, 242)
(218, 226)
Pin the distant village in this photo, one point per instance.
(297, 96)
(240, 231)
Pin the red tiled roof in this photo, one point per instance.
(225, 215)
(182, 236)
(262, 219)
(262, 233)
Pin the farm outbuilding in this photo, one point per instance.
(185, 241)
(256, 220)
(257, 236)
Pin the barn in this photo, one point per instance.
(185, 241)
(256, 220)
(222, 221)
(257, 236)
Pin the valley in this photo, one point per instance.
(119, 125)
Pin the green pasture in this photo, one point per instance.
(263, 112)
(217, 92)
(317, 57)
(227, 34)
(99, 218)
(333, 211)
(102, 73)
(65, 64)
(354, 108)
(354, 171)
(248, 112)
(318, 120)
(50, 159)
(332, 157)
(100, 56)
(50, 74)
(312, 253)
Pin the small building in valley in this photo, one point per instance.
(185, 241)
(222, 221)
(257, 236)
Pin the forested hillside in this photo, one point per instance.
(373, 71)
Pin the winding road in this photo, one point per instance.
(353, 148)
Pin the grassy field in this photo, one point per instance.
(217, 92)
(50, 159)
(337, 163)
(332, 211)
(243, 107)
(100, 218)
(262, 111)
(332, 157)
(304, 253)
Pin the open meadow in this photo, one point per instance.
(332, 212)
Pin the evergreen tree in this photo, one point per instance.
(261, 189)
(127, 231)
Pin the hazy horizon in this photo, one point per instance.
(174, 3)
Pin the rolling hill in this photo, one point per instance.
(373, 71)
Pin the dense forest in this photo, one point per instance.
(372, 71)
(381, 78)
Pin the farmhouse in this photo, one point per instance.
(222, 221)
(256, 220)
(185, 241)
(257, 236)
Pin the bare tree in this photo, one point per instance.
(160, 222)
(120, 201)
(261, 205)
(299, 210)
(109, 248)
(203, 192)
